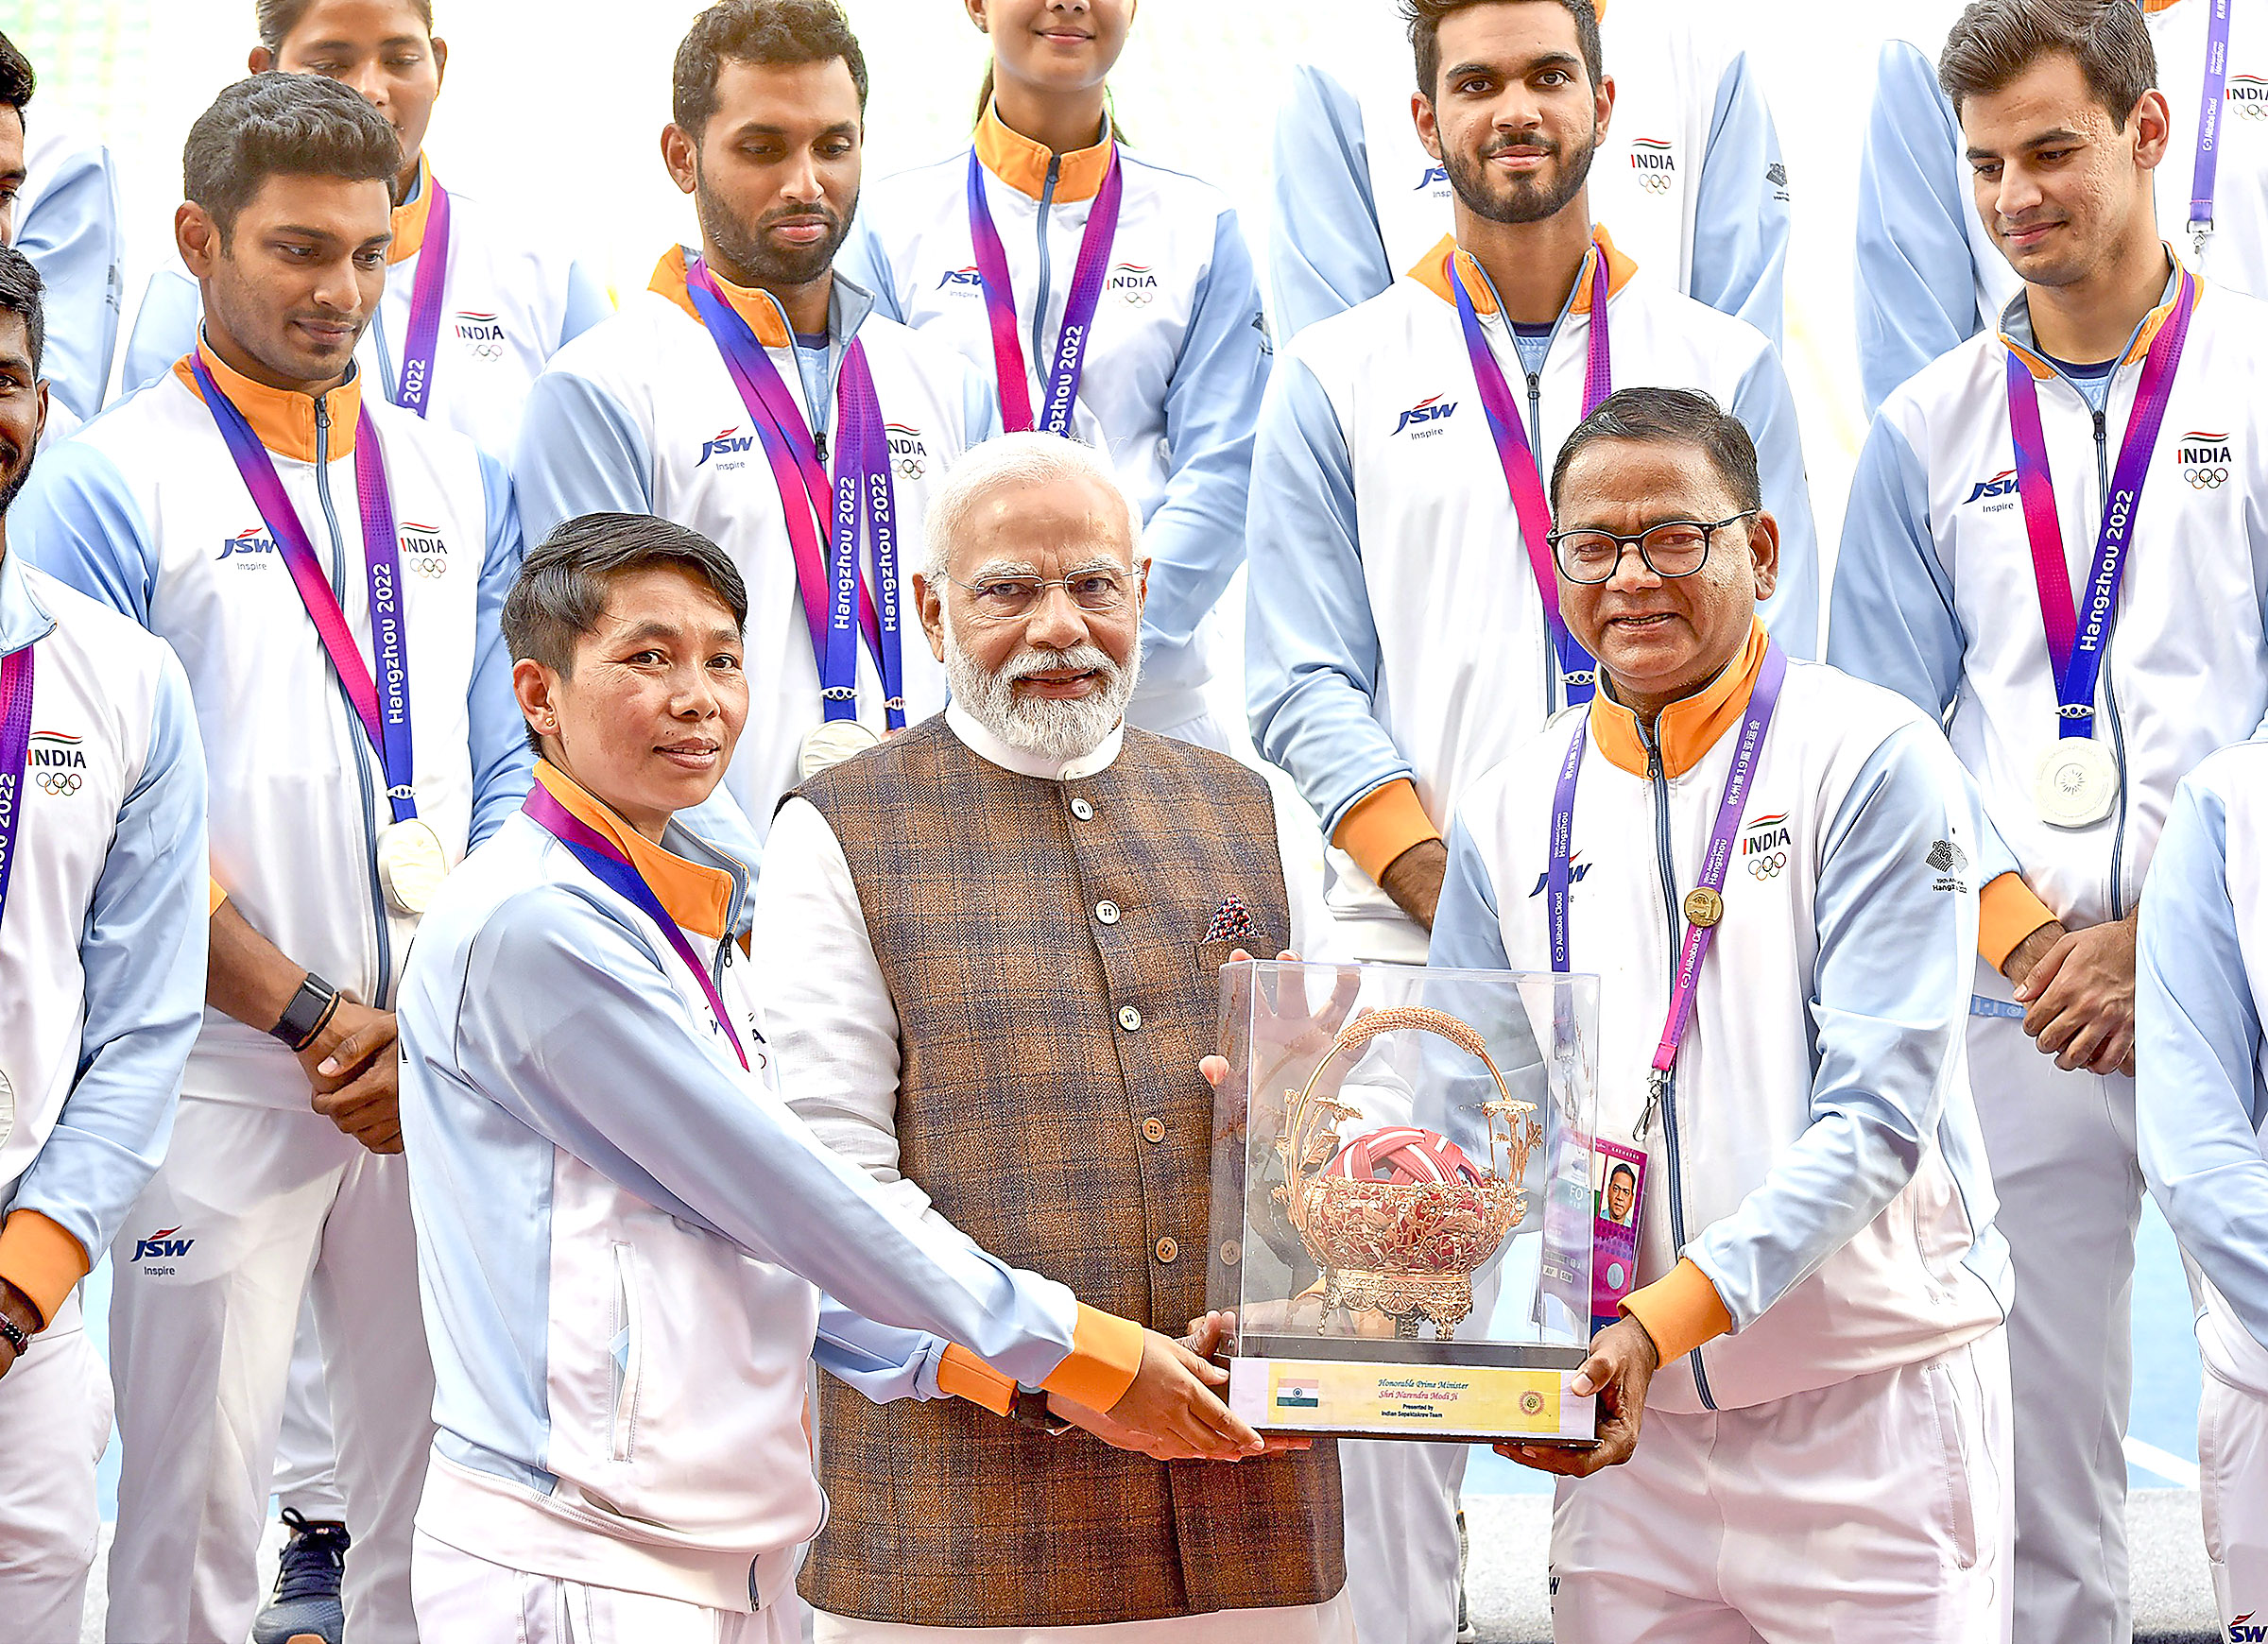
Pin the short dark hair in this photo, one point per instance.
(1424, 18)
(17, 81)
(1621, 1170)
(1670, 413)
(1997, 40)
(275, 19)
(759, 31)
(562, 587)
(280, 125)
(20, 290)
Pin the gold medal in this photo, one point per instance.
(411, 865)
(1703, 906)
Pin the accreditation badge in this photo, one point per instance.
(2077, 782)
(411, 865)
(832, 742)
(1618, 1197)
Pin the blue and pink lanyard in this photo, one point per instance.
(1063, 385)
(2077, 632)
(837, 603)
(614, 870)
(2208, 123)
(414, 391)
(1578, 672)
(16, 671)
(382, 703)
(1747, 752)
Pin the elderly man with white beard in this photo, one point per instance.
(987, 957)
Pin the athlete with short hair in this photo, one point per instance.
(757, 396)
(330, 567)
(2054, 544)
(1690, 177)
(1110, 298)
(475, 302)
(1402, 620)
(102, 964)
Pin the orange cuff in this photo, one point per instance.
(214, 896)
(1680, 1310)
(1106, 1351)
(1384, 823)
(41, 1257)
(962, 1374)
(2008, 912)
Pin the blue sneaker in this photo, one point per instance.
(305, 1609)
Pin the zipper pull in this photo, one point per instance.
(819, 439)
(1657, 1084)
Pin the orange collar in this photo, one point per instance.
(1022, 163)
(2159, 4)
(409, 216)
(761, 309)
(699, 898)
(283, 417)
(1432, 271)
(2144, 333)
(1690, 726)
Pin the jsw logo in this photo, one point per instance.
(2245, 1630)
(250, 542)
(961, 277)
(727, 442)
(160, 1245)
(1575, 870)
(1430, 409)
(2000, 484)
(1435, 175)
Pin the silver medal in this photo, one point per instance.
(411, 865)
(2077, 782)
(832, 742)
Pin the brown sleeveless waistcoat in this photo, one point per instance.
(1053, 994)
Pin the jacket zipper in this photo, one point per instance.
(357, 737)
(1039, 354)
(1669, 1087)
(2110, 697)
(1554, 688)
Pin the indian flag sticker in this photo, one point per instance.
(1298, 1393)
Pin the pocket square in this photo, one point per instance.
(1233, 923)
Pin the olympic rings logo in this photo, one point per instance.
(60, 783)
(1655, 182)
(2205, 479)
(2252, 111)
(1768, 866)
(910, 466)
(429, 565)
(487, 350)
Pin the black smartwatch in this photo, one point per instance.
(307, 1014)
(1029, 1409)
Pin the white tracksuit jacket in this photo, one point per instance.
(1934, 594)
(67, 222)
(509, 305)
(640, 415)
(102, 949)
(619, 1230)
(2201, 1065)
(1817, 1157)
(1393, 626)
(1690, 174)
(1929, 274)
(1172, 382)
(144, 511)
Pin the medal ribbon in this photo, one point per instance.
(1078, 309)
(16, 671)
(382, 703)
(862, 455)
(1754, 722)
(2076, 634)
(614, 870)
(1578, 672)
(2208, 123)
(414, 393)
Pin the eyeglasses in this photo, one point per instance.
(1672, 548)
(1004, 599)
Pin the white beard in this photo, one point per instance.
(1045, 728)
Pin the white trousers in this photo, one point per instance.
(1872, 1512)
(2232, 1466)
(1401, 1506)
(306, 1454)
(262, 1205)
(54, 1421)
(464, 1599)
(2063, 1163)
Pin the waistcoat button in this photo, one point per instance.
(1153, 1129)
(1082, 809)
(1106, 912)
(1168, 1251)
(1128, 1018)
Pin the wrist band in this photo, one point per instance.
(13, 1333)
(307, 1015)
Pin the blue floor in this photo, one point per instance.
(2165, 1374)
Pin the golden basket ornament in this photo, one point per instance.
(1405, 1249)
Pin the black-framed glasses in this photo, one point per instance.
(1001, 599)
(1672, 548)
